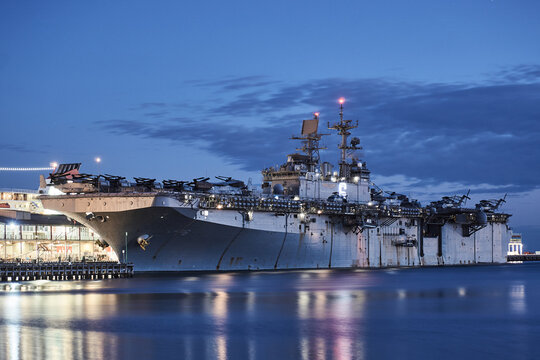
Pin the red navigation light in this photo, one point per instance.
(341, 101)
(316, 114)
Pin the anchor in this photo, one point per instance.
(144, 240)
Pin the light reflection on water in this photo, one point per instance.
(452, 312)
(517, 298)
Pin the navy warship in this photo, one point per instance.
(305, 215)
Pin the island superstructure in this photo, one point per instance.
(305, 216)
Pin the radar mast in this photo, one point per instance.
(343, 128)
(310, 141)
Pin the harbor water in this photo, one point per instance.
(442, 313)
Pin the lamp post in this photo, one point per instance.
(125, 257)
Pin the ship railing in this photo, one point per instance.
(304, 206)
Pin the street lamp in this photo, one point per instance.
(97, 159)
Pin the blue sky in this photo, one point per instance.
(447, 93)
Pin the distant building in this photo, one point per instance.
(515, 246)
(28, 232)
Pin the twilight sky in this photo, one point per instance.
(447, 93)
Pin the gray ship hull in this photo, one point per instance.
(190, 239)
(181, 243)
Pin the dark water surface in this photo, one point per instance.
(434, 313)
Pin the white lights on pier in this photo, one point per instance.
(27, 169)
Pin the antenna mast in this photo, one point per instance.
(310, 141)
(343, 128)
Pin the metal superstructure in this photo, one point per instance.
(343, 128)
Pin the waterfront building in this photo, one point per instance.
(515, 246)
(28, 232)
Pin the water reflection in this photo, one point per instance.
(11, 314)
(518, 304)
(44, 327)
(219, 313)
(297, 315)
(336, 320)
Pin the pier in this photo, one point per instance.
(26, 271)
(523, 257)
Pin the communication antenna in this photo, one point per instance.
(310, 140)
(343, 128)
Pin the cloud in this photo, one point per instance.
(236, 83)
(520, 73)
(483, 134)
(16, 148)
(149, 106)
(156, 114)
(248, 147)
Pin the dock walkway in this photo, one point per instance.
(523, 257)
(64, 271)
